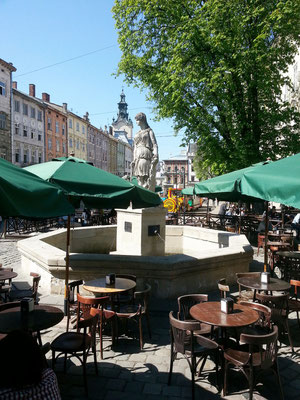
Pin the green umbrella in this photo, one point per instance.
(228, 186)
(188, 191)
(278, 181)
(23, 194)
(95, 187)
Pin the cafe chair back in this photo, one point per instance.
(126, 297)
(136, 312)
(32, 292)
(77, 344)
(279, 312)
(294, 299)
(259, 355)
(263, 325)
(5, 285)
(194, 348)
(73, 291)
(184, 305)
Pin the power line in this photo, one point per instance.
(112, 112)
(62, 62)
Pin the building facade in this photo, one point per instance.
(176, 172)
(98, 146)
(6, 70)
(191, 175)
(113, 149)
(28, 128)
(78, 136)
(56, 136)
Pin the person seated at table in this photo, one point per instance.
(296, 225)
(262, 225)
(24, 373)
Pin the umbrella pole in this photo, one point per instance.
(67, 265)
(266, 237)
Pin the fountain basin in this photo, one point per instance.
(197, 258)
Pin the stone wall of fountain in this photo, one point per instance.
(195, 258)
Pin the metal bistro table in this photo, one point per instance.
(210, 313)
(42, 317)
(256, 284)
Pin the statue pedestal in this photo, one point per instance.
(141, 231)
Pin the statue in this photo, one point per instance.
(145, 154)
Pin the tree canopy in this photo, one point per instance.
(217, 68)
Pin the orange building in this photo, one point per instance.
(56, 138)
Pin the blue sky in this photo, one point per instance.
(40, 33)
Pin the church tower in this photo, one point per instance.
(123, 122)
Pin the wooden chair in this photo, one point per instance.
(279, 312)
(128, 296)
(5, 285)
(192, 347)
(32, 292)
(77, 344)
(84, 312)
(263, 326)
(294, 300)
(72, 304)
(225, 290)
(260, 356)
(184, 305)
(135, 312)
(247, 294)
(260, 242)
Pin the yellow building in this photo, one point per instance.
(78, 136)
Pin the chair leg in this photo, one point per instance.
(65, 363)
(251, 383)
(298, 319)
(193, 370)
(225, 377)
(101, 340)
(95, 359)
(276, 369)
(289, 334)
(172, 358)
(84, 372)
(53, 359)
(141, 332)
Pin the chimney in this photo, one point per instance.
(15, 85)
(86, 117)
(65, 107)
(31, 90)
(46, 97)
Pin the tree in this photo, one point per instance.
(217, 68)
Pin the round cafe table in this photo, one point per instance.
(256, 284)
(6, 274)
(99, 285)
(210, 313)
(42, 317)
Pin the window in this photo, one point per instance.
(39, 115)
(2, 88)
(39, 137)
(25, 132)
(32, 112)
(32, 135)
(63, 129)
(16, 130)
(83, 129)
(77, 144)
(25, 157)
(70, 143)
(64, 147)
(49, 143)
(17, 156)
(83, 147)
(49, 124)
(57, 145)
(56, 127)
(70, 123)
(40, 158)
(77, 126)
(2, 121)
(17, 106)
(32, 158)
(25, 109)
(193, 179)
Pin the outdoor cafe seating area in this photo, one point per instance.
(218, 336)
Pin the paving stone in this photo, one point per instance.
(138, 357)
(155, 388)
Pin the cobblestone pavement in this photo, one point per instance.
(128, 373)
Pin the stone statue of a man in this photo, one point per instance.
(145, 154)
